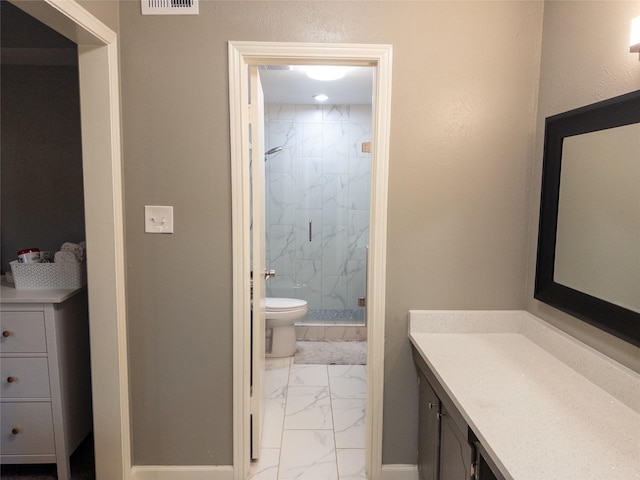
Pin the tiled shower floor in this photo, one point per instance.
(313, 422)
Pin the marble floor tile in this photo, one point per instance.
(277, 362)
(349, 422)
(348, 381)
(308, 408)
(308, 455)
(351, 464)
(276, 380)
(306, 375)
(266, 467)
(273, 422)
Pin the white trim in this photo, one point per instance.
(399, 472)
(182, 472)
(242, 54)
(238, 84)
(102, 170)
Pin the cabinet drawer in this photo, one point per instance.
(27, 429)
(22, 332)
(24, 378)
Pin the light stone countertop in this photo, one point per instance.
(543, 405)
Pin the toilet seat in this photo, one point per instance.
(279, 312)
(272, 304)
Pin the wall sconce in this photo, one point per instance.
(635, 35)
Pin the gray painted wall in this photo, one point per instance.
(105, 10)
(41, 192)
(585, 59)
(465, 79)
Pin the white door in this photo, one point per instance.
(258, 266)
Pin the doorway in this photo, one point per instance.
(102, 172)
(241, 56)
(318, 172)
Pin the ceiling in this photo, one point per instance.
(294, 87)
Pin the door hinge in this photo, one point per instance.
(254, 403)
(251, 113)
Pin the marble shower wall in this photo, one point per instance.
(323, 177)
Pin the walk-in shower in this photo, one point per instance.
(317, 207)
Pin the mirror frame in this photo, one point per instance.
(612, 318)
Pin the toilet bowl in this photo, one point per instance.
(280, 316)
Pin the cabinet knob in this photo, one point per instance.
(11, 379)
(432, 405)
(15, 430)
(439, 415)
(6, 333)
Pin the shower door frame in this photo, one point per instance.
(241, 56)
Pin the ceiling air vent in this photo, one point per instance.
(169, 7)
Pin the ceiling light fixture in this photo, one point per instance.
(325, 73)
(635, 35)
(321, 97)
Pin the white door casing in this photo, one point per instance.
(242, 55)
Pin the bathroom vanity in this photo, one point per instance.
(505, 395)
(45, 396)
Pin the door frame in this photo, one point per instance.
(241, 55)
(104, 224)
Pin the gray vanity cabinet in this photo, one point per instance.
(428, 432)
(444, 452)
(457, 455)
(447, 448)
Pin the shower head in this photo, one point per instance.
(274, 150)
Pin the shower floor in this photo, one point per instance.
(312, 331)
(335, 315)
(328, 352)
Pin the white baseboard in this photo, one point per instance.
(399, 472)
(182, 472)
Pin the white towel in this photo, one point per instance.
(65, 257)
(77, 249)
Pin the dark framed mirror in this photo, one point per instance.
(588, 262)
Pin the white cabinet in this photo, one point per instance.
(45, 382)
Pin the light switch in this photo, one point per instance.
(158, 219)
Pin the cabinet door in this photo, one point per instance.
(428, 431)
(456, 454)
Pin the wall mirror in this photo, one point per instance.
(588, 262)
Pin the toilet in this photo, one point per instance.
(280, 316)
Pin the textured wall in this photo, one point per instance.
(585, 59)
(105, 10)
(465, 78)
(41, 193)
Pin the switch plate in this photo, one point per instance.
(366, 147)
(158, 219)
